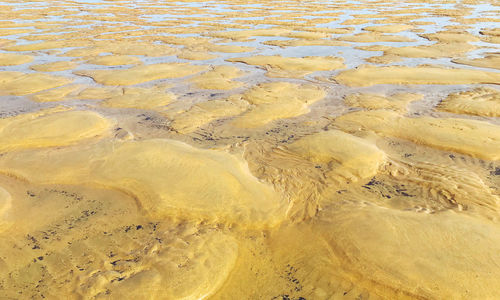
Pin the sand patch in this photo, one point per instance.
(161, 175)
(370, 75)
(388, 28)
(206, 112)
(479, 102)
(277, 100)
(141, 98)
(302, 42)
(474, 138)
(7, 59)
(491, 60)
(374, 37)
(51, 128)
(295, 67)
(114, 60)
(397, 102)
(57, 94)
(409, 257)
(219, 78)
(55, 66)
(99, 93)
(5, 205)
(451, 37)
(140, 74)
(194, 55)
(349, 157)
(19, 85)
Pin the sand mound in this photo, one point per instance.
(397, 102)
(349, 157)
(278, 66)
(167, 177)
(51, 128)
(475, 138)
(489, 61)
(55, 66)
(7, 59)
(19, 84)
(277, 100)
(370, 75)
(140, 74)
(206, 112)
(5, 204)
(219, 78)
(479, 101)
(141, 98)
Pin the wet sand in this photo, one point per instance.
(249, 150)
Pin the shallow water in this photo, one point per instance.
(249, 150)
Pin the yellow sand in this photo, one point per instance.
(57, 94)
(29, 83)
(348, 156)
(55, 66)
(388, 28)
(475, 138)
(479, 102)
(140, 74)
(303, 42)
(99, 93)
(51, 128)
(5, 205)
(277, 100)
(489, 61)
(194, 55)
(141, 98)
(114, 60)
(451, 37)
(373, 37)
(411, 261)
(432, 51)
(219, 78)
(7, 59)
(206, 112)
(160, 174)
(369, 75)
(397, 102)
(278, 66)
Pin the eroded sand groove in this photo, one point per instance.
(249, 150)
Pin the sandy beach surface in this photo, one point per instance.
(281, 150)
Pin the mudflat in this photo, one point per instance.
(249, 150)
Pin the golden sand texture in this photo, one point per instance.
(20, 84)
(205, 112)
(55, 66)
(370, 75)
(141, 98)
(349, 157)
(397, 102)
(295, 67)
(140, 74)
(475, 138)
(114, 60)
(160, 173)
(56, 94)
(196, 55)
(5, 205)
(277, 100)
(8, 59)
(51, 128)
(479, 102)
(218, 78)
(489, 61)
